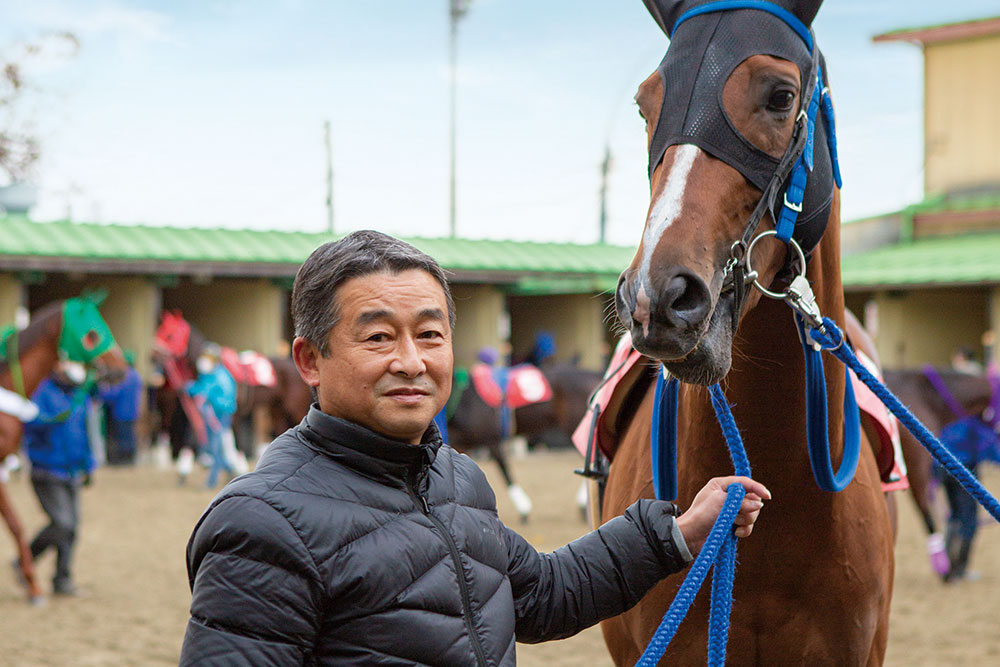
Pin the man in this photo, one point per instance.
(362, 539)
(61, 461)
(122, 403)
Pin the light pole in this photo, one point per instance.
(329, 176)
(458, 8)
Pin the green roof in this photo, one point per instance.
(28, 245)
(969, 259)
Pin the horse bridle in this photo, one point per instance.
(797, 161)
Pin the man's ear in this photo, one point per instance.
(306, 357)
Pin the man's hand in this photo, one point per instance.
(696, 523)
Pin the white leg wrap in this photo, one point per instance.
(185, 462)
(520, 499)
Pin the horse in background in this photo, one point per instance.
(474, 423)
(268, 388)
(265, 412)
(973, 395)
(815, 581)
(72, 329)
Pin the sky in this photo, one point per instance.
(210, 113)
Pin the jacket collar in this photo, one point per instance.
(368, 452)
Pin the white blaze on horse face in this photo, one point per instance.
(662, 214)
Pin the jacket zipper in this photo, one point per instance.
(463, 585)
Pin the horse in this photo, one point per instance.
(72, 329)
(973, 393)
(283, 405)
(473, 423)
(178, 345)
(725, 114)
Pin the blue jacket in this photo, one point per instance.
(219, 390)
(125, 397)
(56, 440)
(971, 441)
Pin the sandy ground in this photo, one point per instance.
(131, 561)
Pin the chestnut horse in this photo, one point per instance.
(178, 344)
(814, 583)
(473, 423)
(71, 329)
(973, 394)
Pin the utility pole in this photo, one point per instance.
(602, 225)
(329, 176)
(458, 8)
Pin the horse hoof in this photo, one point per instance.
(37, 600)
(524, 519)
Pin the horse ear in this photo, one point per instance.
(95, 296)
(665, 12)
(804, 10)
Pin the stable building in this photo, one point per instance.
(234, 285)
(927, 278)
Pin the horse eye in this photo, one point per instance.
(781, 100)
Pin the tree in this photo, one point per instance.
(19, 145)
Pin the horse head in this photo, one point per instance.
(85, 337)
(725, 112)
(172, 336)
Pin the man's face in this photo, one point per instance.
(390, 357)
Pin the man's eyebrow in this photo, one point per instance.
(431, 314)
(370, 316)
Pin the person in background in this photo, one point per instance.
(963, 360)
(122, 402)
(61, 462)
(972, 442)
(215, 393)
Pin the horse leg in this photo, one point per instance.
(920, 474)
(25, 563)
(517, 495)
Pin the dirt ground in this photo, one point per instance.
(136, 523)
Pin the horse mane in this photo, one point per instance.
(36, 330)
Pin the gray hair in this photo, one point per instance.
(315, 310)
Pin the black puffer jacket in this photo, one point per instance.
(344, 547)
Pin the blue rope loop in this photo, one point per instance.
(663, 440)
(817, 421)
(829, 338)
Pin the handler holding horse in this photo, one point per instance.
(361, 537)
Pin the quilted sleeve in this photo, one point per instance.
(597, 576)
(256, 592)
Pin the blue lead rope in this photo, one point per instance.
(830, 340)
(719, 550)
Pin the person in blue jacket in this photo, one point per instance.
(215, 393)
(122, 403)
(61, 461)
(972, 442)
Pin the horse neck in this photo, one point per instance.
(38, 351)
(766, 385)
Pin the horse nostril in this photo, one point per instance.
(624, 299)
(686, 298)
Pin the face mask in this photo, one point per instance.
(74, 372)
(204, 365)
(703, 52)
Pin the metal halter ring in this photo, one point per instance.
(756, 282)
